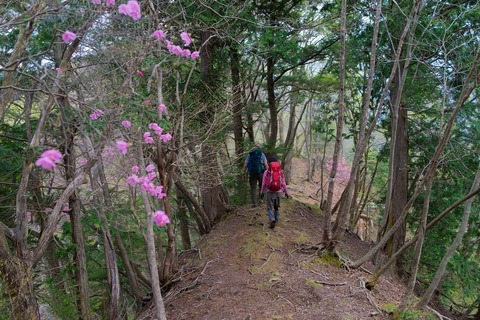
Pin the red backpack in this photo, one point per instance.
(274, 176)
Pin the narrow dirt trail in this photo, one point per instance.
(244, 270)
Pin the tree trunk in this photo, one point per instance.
(80, 261)
(17, 274)
(327, 233)
(237, 110)
(183, 220)
(400, 187)
(160, 312)
(272, 107)
(102, 198)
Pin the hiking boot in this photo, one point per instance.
(272, 224)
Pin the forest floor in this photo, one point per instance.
(244, 270)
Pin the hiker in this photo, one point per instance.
(256, 164)
(273, 183)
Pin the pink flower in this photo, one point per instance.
(126, 123)
(122, 146)
(49, 159)
(159, 192)
(140, 73)
(152, 175)
(147, 138)
(186, 53)
(159, 34)
(52, 154)
(186, 38)
(96, 114)
(147, 102)
(58, 70)
(110, 2)
(45, 163)
(133, 180)
(166, 137)
(155, 127)
(150, 167)
(160, 218)
(175, 50)
(132, 9)
(68, 36)
(162, 107)
(97, 1)
(195, 55)
(135, 169)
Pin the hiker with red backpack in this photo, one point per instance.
(273, 183)
(256, 164)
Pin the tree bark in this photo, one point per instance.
(272, 107)
(327, 233)
(80, 261)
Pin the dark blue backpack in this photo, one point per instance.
(255, 165)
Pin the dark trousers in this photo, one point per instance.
(255, 179)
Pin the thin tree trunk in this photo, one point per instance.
(80, 261)
(160, 311)
(206, 223)
(327, 233)
(237, 110)
(272, 107)
(98, 182)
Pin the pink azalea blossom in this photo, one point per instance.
(96, 114)
(135, 169)
(45, 163)
(52, 154)
(159, 34)
(166, 137)
(49, 159)
(126, 123)
(147, 102)
(186, 53)
(195, 55)
(133, 180)
(150, 167)
(186, 38)
(152, 175)
(132, 9)
(68, 36)
(147, 138)
(175, 50)
(110, 2)
(140, 73)
(122, 146)
(162, 107)
(97, 1)
(160, 218)
(155, 127)
(58, 70)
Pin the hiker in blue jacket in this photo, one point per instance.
(256, 164)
